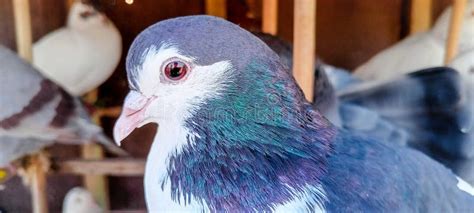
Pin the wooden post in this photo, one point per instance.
(21, 11)
(36, 168)
(304, 42)
(270, 17)
(69, 3)
(420, 15)
(216, 8)
(96, 184)
(457, 16)
(36, 175)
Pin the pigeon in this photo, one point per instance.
(419, 51)
(36, 113)
(82, 55)
(403, 110)
(236, 134)
(424, 51)
(427, 103)
(79, 200)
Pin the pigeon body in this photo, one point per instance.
(35, 112)
(82, 55)
(236, 134)
(79, 200)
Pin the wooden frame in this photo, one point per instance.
(304, 45)
(270, 16)
(420, 15)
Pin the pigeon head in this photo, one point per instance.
(226, 107)
(190, 69)
(83, 16)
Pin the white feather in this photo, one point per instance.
(314, 195)
(79, 200)
(464, 186)
(82, 55)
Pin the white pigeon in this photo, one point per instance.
(79, 200)
(82, 55)
(420, 51)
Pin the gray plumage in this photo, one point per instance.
(36, 113)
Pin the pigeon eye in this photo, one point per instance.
(176, 70)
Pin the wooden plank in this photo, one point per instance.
(22, 17)
(112, 112)
(216, 8)
(111, 167)
(36, 168)
(36, 176)
(304, 43)
(96, 184)
(69, 3)
(420, 15)
(457, 16)
(270, 17)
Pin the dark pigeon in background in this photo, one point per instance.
(202, 79)
(328, 80)
(36, 113)
(425, 109)
(431, 106)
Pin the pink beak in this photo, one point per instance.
(132, 116)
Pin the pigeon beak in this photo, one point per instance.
(132, 116)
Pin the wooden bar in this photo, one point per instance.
(69, 3)
(270, 17)
(420, 15)
(112, 112)
(304, 42)
(21, 11)
(96, 184)
(216, 8)
(457, 16)
(36, 168)
(111, 167)
(36, 176)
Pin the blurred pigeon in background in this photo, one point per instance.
(292, 160)
(36, 113)
(82, 55)
(453, 128)
(419, 51)
(426, 103)
(328, 80)
(419, 109)
(79, 200)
